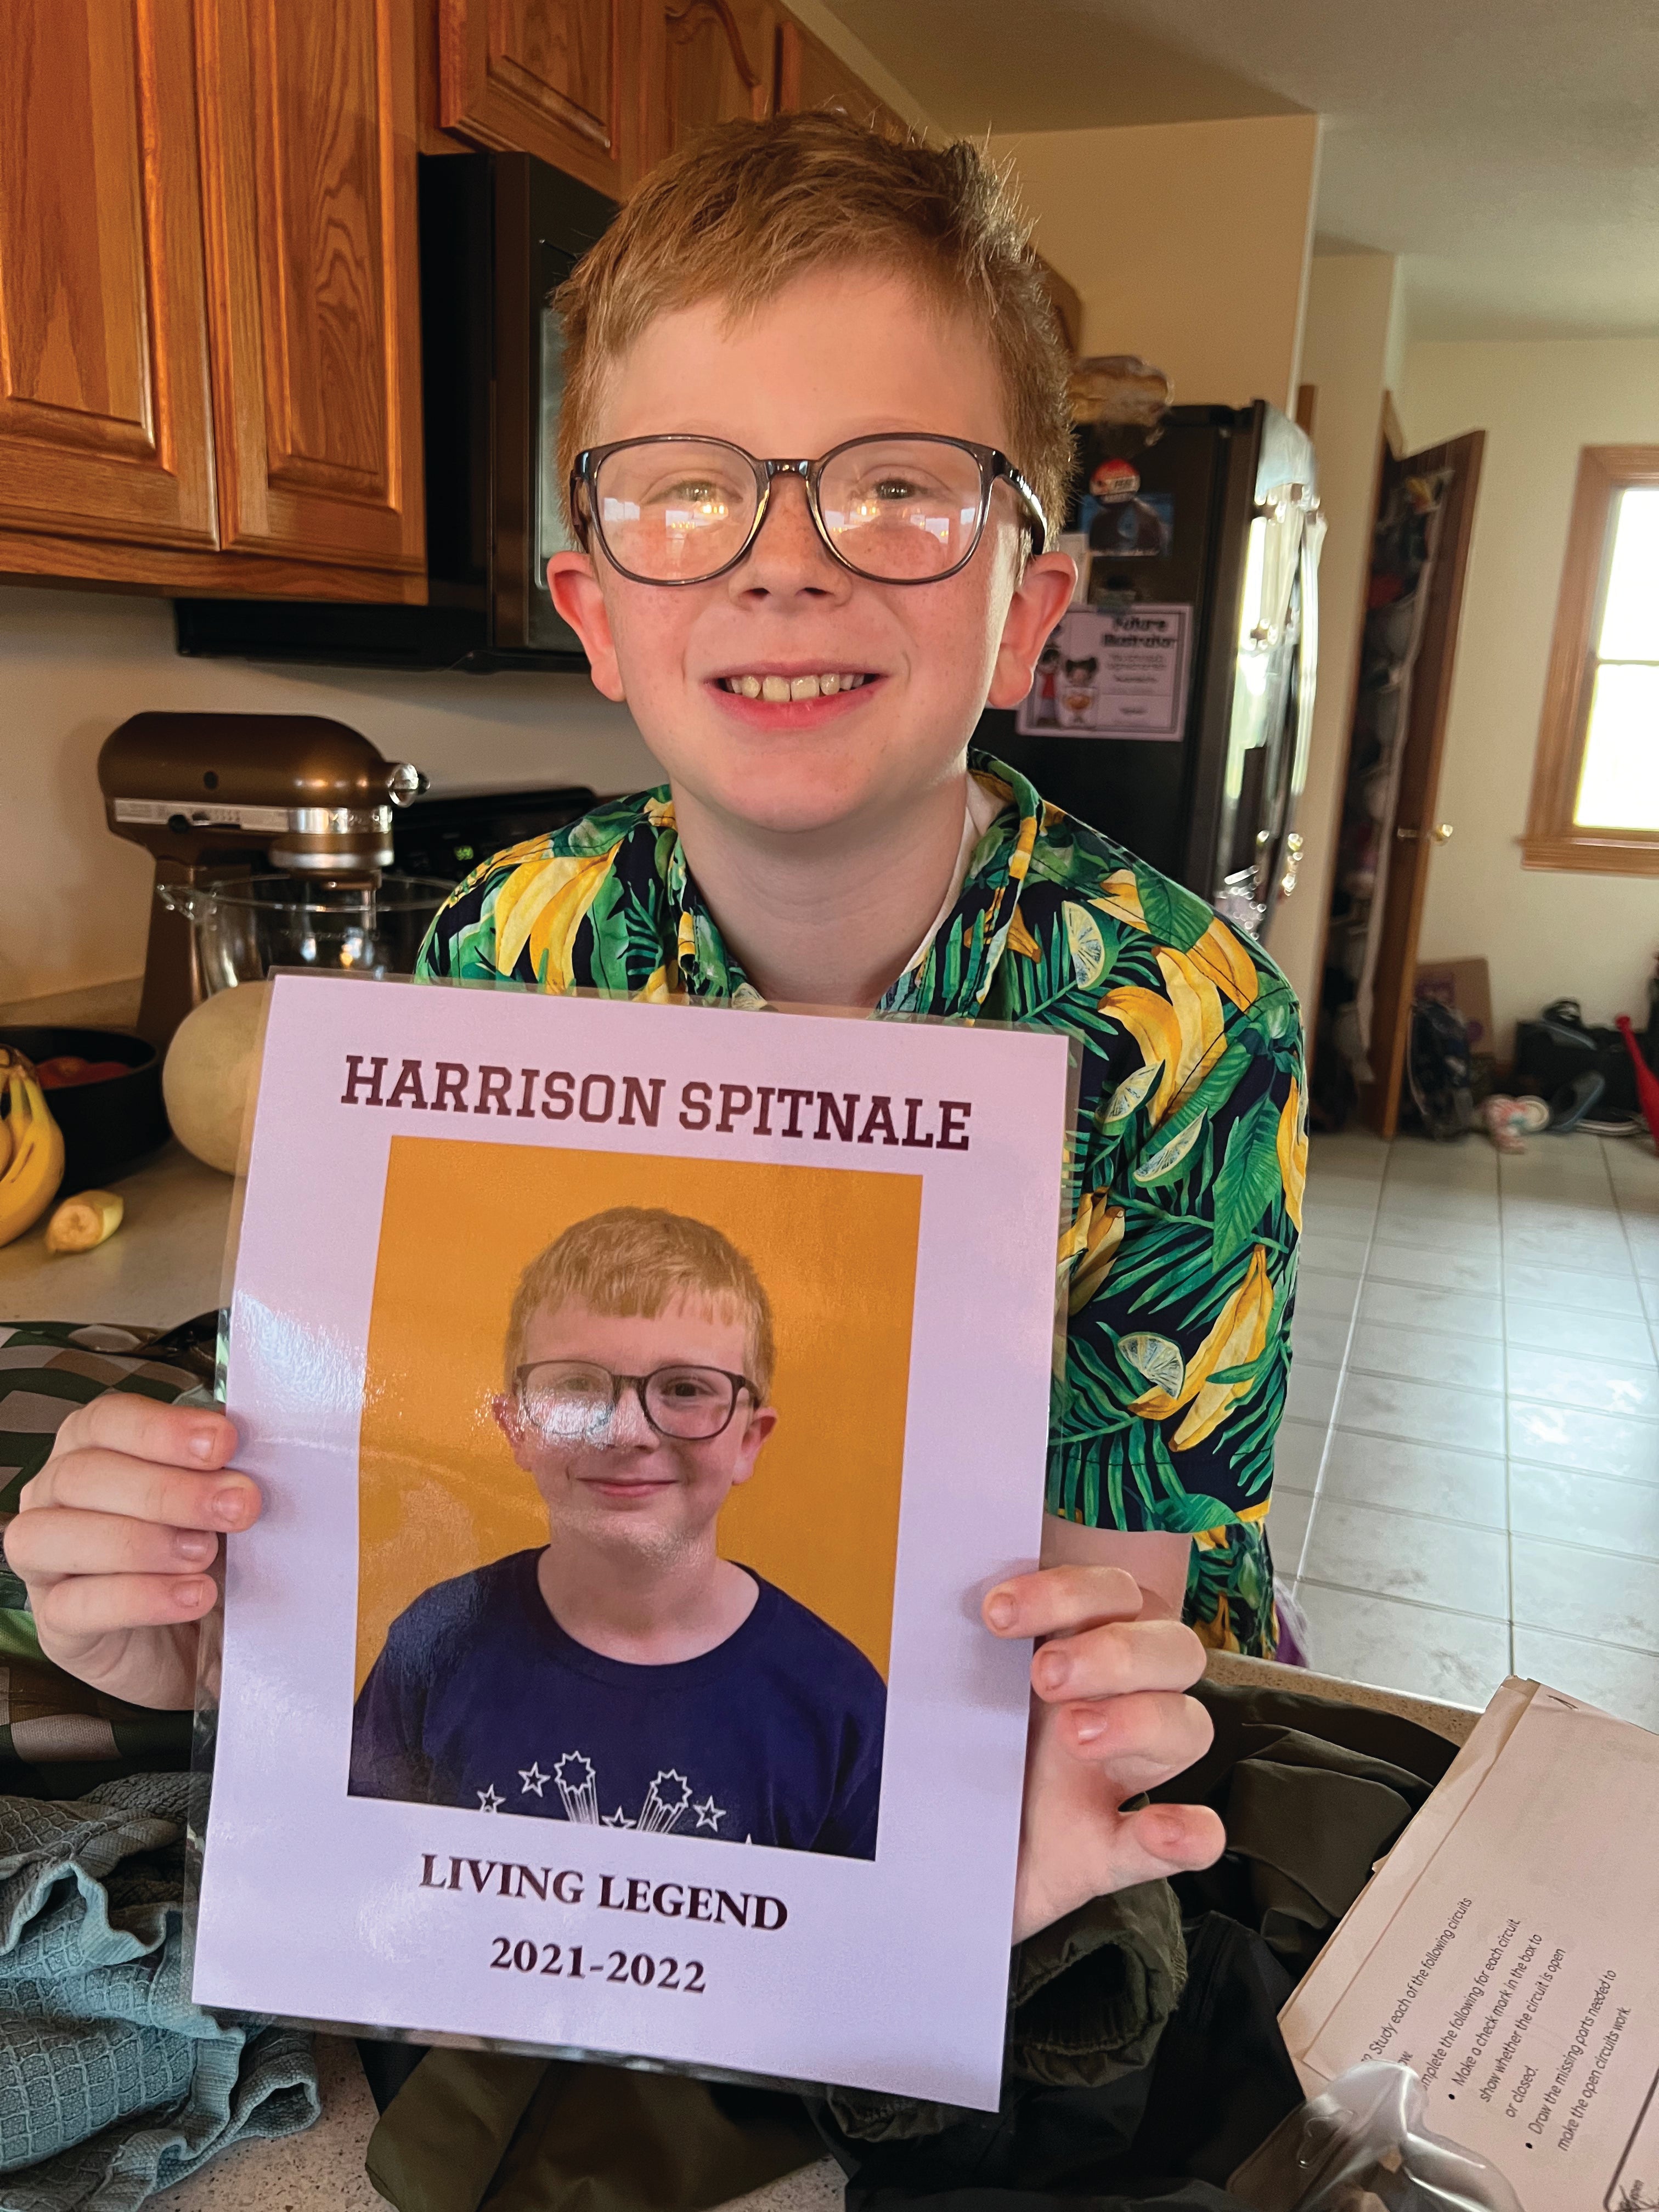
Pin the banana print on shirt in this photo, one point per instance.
(1188, 1154)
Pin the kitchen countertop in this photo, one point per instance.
(163, 1264)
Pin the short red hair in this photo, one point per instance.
(740, 211)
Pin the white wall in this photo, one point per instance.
(1546, 934)
(74, 901)
(1352, 309)
(1189, 243)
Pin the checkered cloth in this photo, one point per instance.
(112, 2085)
(58, 1737)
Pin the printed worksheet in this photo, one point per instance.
(1508, 1949)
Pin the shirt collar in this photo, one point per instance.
(954, 970)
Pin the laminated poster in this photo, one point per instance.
(644, 1397)
(1113, 672)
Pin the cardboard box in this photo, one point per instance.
(1465, 986)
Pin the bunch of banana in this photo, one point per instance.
(34, 1154)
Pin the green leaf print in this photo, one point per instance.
(1191, 1511)
(1175, 916)
(1248, 1179)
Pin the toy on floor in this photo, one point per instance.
(1507, 1119)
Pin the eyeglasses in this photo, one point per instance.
(895, 510)
(572, 1401)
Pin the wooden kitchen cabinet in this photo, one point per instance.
(307, 125)
(704, 62)
(209, 327)
(556, 78)
(104, 404)
(811, 75)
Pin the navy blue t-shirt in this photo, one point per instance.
(480, 1698)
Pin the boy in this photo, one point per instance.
(809, 667)
(627, 1673)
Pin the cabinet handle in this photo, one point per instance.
(1437, 835)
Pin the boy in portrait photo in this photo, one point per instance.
(626, 1674)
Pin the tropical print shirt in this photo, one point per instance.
(1188, 1154)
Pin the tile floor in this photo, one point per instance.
(1468, 1476)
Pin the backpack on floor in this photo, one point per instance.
(1437, 1070)
(1560, 1046)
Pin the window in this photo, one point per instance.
(1595, 782)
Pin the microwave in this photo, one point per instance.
(498, 234)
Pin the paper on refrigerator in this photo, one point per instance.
(1508, 1949)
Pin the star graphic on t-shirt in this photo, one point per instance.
(533, 1779)
(489, 1802)
(617, 1820)
(709, 1814)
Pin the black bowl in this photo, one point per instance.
(107, 1127)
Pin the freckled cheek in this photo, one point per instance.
(652, 633)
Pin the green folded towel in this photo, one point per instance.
(112, 2084)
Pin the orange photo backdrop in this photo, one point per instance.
(438, 1492)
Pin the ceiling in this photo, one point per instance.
(1508, 150)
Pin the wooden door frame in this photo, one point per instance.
(1422, 750)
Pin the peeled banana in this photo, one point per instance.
(81, 1224)
(36, 1165)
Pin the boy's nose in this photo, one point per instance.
(627, 1427)
(788, 556)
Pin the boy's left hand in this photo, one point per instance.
(1108, 1720)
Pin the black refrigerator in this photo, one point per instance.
(1173, 708)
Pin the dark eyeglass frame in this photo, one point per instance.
(640, 1384)
(994, 466)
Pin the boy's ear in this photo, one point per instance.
(759, 1425)
(575, 593)
(1041, 598)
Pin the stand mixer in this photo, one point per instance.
(209, 795)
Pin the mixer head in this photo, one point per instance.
(208, 793)
(313, 795)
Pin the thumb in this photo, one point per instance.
(1160, 1840)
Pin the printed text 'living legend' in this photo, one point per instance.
(558, 1094)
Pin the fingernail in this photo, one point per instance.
(203, 1444)
(1053, 1670)
(1001, 1611)
(190, 1594)
(195, 1544)
(1089, 1726)
(1168, 1837)
(230, 1506)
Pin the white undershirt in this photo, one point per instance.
(980, 811)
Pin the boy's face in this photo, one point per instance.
(629, 1487)
(842, 353)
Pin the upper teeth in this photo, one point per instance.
(779, 688)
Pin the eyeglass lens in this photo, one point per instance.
(572, 1401)
(899, 510)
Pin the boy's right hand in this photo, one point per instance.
(117, 1539)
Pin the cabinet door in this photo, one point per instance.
(811, 75)
(104, 413)
(309, 179)
(548, 77)
(706, 62)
